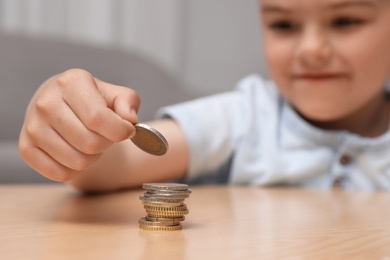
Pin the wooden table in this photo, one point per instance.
(55, 222)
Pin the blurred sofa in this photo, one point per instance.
(26, 62)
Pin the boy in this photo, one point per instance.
(322, 121)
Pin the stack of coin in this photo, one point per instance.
(164, 205)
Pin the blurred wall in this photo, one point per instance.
(208, 44)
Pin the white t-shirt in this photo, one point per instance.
(255, 138)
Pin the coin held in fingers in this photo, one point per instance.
(149, 140)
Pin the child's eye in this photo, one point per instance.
(345, 22)
(283, 26)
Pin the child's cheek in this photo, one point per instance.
(278, 60)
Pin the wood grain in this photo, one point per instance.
(55, 222)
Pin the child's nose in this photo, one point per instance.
(314, 49)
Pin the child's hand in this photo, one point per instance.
(72, 119)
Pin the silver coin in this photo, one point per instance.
(163, 200)
(173, 192)
(150, 140)
(165, 195)
(164, 186)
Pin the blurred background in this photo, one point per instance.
(169, 51)
(209, 44)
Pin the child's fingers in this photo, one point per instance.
(61, 151)
(42, 162)
(124, 101)
(46, 141)
(87, 102)
(74, 132)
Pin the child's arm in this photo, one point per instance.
(124, 165)
(77, 130)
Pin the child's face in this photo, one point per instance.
(329, 58)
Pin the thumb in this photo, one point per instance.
(123, 101)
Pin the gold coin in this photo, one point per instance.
(147, 222)
(160, 228)
(169, 209)
(161, 204)
(166, 214)
(149, 140)
(168, 221)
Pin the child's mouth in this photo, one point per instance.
(319, 76)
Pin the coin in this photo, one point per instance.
(148, 221)
(165, 195)
(164, 186)
(172, 192)
(167, 221)
(166, 214)
(182, 208)
(149, 140)
(166, 200)
(161, 204)
(164, 206)
(160, 228)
